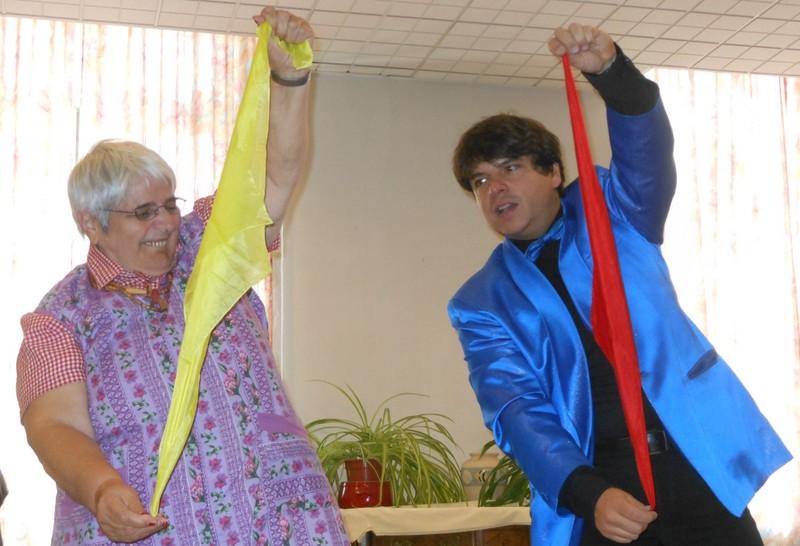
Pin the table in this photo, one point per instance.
(456, 524)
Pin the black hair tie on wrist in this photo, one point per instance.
(290, 83)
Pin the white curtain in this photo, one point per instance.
(63, 86)
(733, 244)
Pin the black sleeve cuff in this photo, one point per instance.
(623, 88)
(581, 490)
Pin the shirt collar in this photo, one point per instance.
(103, 270)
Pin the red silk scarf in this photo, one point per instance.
(611, 322)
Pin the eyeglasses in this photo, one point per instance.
(148, 211)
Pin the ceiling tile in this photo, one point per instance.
(422, 38)
(697, 48)
(746, 38)
(482, 57)
(714, 35)
(362, 21)
(618, 27)
(662, 16)
(414, 52)
(715, 6)
(502, 31)
(787, 56)
(634, 42)
(175, 20)
(777, 40)
(142, 5)
(216, 9)
(681, 59)
(402, 9)
(532, 71)
(72, 11)
(651, 30)
(760, 53)
(446, 54)
(490, 44)
(491, 80)
(742, 65)
(332, 18)
(523, 46)
(730, 22)
(479, 15)
(101, 14)
(666, 46)
(782, 12)
(217, 24)
(22, 7)
(748, 8)
(630, 14)
(437, 64)
(436, 27)
(531, 6)
(548, 21)
(351, 33)
(519, 18)
(374, 7)
(651, 58)
(398, 23)
(731, 51)
(467, 29)
(560, 7)
(512, 58)
(712, 63)
(443, 12)
(379, 49)
(682, 33)
(772, 67)
(497, 69)
(595, 10)
(463, 42)
(763, 25)
(334, 5)
(698, 19)
(179, 6)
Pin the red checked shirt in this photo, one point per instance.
(49, 356)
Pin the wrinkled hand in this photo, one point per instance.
(620, 517)
(291, 28)
(590, 49)
(121, 515)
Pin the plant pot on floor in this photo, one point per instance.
(363, 487)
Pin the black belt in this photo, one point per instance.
(657, 442)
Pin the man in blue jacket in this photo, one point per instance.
(546, 389)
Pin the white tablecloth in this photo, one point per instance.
(428, 520)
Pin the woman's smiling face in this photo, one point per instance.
(145, 246)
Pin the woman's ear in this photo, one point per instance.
(89, 225)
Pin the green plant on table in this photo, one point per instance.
(505, 484)
(414, 450)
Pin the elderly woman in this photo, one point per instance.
(98, 361)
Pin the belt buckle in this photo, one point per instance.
(657, 442)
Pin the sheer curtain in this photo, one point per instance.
(733, 244)
(63, 86)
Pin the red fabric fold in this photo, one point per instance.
(611, 322)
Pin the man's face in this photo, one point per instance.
(147, 246)
(517, 200)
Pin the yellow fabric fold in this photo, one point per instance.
(232, 256)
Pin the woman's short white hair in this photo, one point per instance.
(101, 179)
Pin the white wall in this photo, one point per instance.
(382, 236)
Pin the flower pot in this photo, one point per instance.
(363, 487)
(474, 471)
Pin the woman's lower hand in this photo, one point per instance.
(121, 515)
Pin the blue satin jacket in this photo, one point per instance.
(529, 371)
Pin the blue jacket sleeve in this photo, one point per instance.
(515, 407)
(643, 176)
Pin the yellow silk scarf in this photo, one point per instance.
(232, 255)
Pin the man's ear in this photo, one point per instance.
(556, 179)
(89, 225)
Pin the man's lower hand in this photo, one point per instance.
(618, 516)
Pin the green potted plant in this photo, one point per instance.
(504, 484)
(412, 452)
